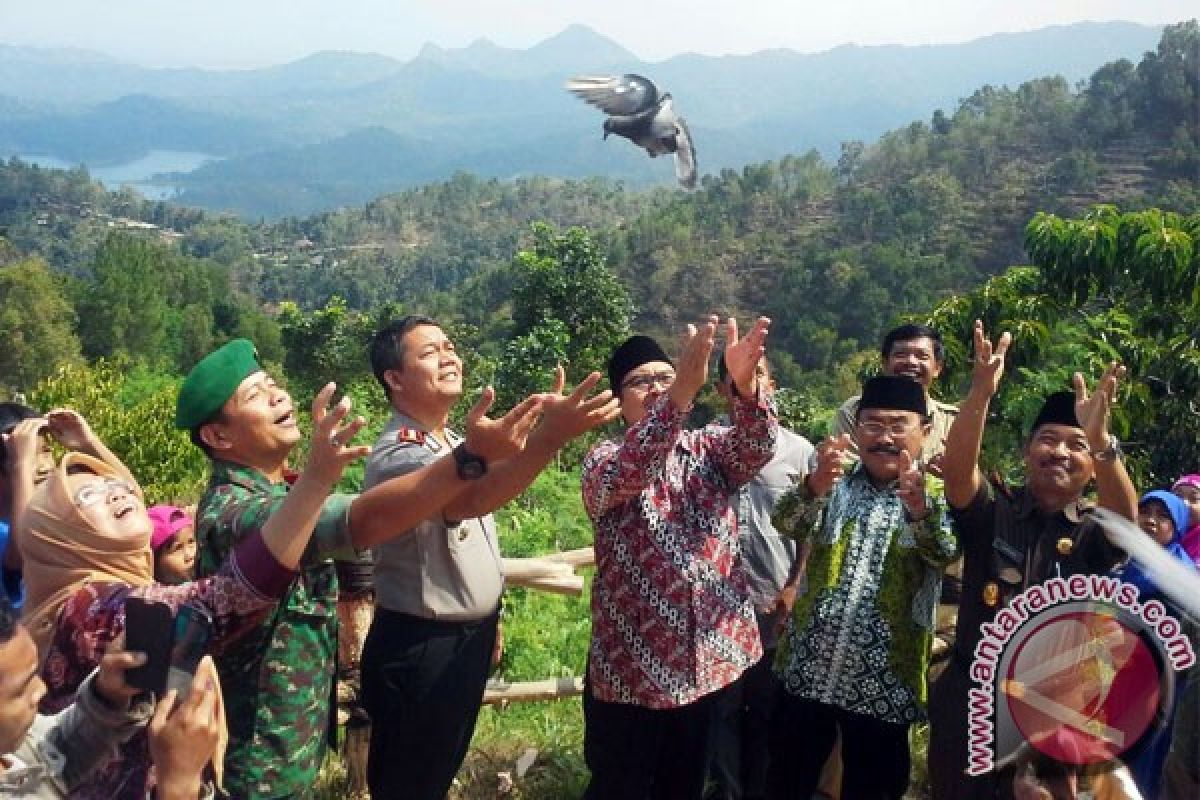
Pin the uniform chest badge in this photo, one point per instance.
(410, 436)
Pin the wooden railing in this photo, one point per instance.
(553, 573)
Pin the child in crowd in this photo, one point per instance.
(1187, 489)
(174, 544)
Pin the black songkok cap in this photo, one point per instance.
(633, 352)
(894, 393)
(1059, 409)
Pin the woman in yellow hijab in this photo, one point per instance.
(85, 539)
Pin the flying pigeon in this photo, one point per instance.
(638, 112)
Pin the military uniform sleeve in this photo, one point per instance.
(236, 514)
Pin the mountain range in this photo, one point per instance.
(338, 128)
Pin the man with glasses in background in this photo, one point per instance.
(876, 537)
(672, 621)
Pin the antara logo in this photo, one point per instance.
(1077, 667)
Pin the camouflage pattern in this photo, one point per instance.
(278, 679)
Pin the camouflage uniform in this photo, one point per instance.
(278, 680)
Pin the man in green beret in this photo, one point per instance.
(278, 677)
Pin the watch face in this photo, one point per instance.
(470, 470)
(470, 466)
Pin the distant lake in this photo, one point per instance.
(136, 174)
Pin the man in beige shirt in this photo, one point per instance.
(913, 351)
(438, 584)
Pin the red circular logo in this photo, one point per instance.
(1082, 687)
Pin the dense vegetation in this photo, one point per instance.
(833, 252)
(1068, 217)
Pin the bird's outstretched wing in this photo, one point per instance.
(685, 155)
(622, 96)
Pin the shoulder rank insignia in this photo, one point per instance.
(410, 436)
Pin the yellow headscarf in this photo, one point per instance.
(63, 552)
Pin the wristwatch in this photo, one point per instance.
(1110, 453)
(470, 466)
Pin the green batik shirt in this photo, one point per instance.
(860, 635)
(278, 679)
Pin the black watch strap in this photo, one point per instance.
(470, 466)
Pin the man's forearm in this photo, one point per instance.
(398, 504)
(963, 442)
(1114, 489)
(504, 481)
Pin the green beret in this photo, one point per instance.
(213, 381)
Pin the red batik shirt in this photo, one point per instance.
(671, 616)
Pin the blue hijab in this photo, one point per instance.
(1133, 572)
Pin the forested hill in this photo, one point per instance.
(834, 251)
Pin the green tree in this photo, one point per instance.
(123, 311)
(37, 324)
(1106, 286)
(133, 411)
(564, 289)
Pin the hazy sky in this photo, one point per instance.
(245, 33)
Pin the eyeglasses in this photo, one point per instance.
(99, 491)
(648, 380)
(894, 428)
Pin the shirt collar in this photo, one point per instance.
(240, 475)
(1025, 506)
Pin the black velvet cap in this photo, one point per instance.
(1059, 409)
(631, 354)
(894, 393)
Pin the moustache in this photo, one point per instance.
(887, 449)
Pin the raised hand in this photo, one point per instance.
(498, 439)
(329, 455)
(110, 679)
(183, 739)
(1092, 410)
(691, 369)
(566, 416)
(743, 354)
(70, 429)
(23, 444)
(831, 463)
(988, 364)
(910, 487)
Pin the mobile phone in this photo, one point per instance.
(189, 642)
(148, 629)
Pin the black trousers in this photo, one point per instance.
(637, 753)
(423, 682)
(948, 741)
(874, 753)
(737, 767)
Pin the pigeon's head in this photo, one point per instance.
(608, 126)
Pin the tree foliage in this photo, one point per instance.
(1106, 286)
(37, 324)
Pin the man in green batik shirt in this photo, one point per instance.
(278, 676)
(873, 539)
